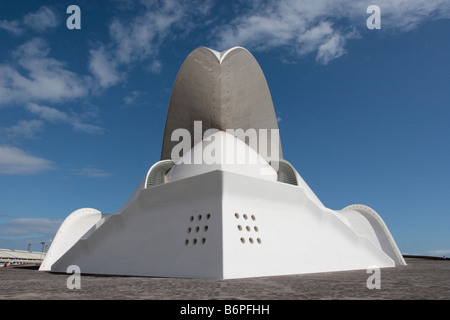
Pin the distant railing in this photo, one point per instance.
(426, 257)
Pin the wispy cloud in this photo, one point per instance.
(103, 67)
(155, 66)
(29, 227)
(14, 27)
(319, 27)
(57, 116)
(44, 79)
(131, 98)
(47, 113)
(138, 39)
(23, 128)
(43, 19)
(92, 172)
(16, 161)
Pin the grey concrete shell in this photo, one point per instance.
(224, 90)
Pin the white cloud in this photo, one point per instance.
(103, 67)
(56, 116)
(139, 38)
(16, 161)
(48, 113)
(131, 98)
(41, 20)
(312, 38)
(44, 79)
(333, 48)
(29, 226)
(11, 26)
(23, 128)
(406, 15)
(78, 125)
(320, 27)
(155, 66)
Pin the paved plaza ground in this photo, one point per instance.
(420, 279)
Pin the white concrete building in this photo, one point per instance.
(11, 257)
(196, 214)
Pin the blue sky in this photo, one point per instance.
(363, 114)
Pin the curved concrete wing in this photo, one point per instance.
(367, 222)
(224, 90)
(71, 230)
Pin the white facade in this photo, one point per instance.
(222, 220)
(10, 257)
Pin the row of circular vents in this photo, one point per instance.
(199, 229)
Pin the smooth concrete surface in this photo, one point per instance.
(421, 279)
(220, 225)
(227, 216)
(225, 90)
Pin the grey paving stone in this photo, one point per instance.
(421, 279)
